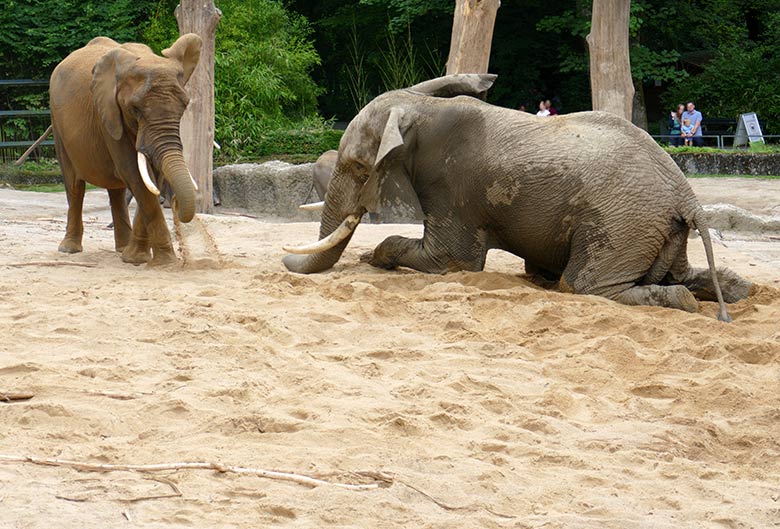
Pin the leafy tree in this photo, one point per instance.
(35, 36)
(263, 59)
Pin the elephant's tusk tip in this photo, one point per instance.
(314, 206)
(194, 183)
(145, 177)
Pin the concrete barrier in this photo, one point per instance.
(728, 163)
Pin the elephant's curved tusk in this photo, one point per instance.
(338, 235)
(194, 183)
(314, 206)
(144, 169)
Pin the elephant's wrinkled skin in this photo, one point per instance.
(109, 103)
(586, 199)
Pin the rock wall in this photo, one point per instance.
(736, 164)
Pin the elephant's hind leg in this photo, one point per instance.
(699, 280)
(74, 191)
(617, 278)
(674, 296)
(122, 228)
(733, 286)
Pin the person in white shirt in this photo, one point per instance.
(543, 110)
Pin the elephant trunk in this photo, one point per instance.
(335, 217)
(175, 171)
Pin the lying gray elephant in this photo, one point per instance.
(586, 199)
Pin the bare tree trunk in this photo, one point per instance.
(472, 35)
(639, 112)
(612, 88)
(197, 124)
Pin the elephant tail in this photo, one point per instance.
(698, 221)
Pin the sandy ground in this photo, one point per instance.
(486, 401)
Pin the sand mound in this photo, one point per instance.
(489, 401)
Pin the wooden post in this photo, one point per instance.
(197, 123)
(472, 35)
(612, 88)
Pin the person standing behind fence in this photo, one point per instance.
(696, 119)
(675, 122)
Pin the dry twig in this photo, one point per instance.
(270, 474)
(114, 395)
(12, 397)
(50, 263)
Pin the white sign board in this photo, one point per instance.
(748, 129)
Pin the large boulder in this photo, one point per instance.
(271, 189)
(276, 189)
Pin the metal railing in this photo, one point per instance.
(719, 138)
(11, 146)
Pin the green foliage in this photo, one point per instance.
(402, 13)
(315, 140)
(263, 61)
(35, 36)
(262, 80)
(736, 80)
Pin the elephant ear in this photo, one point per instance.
(467, 84)
(392, 138)
(186, 50)
(105, 74)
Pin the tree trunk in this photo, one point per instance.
(612, 88)
(472, 35)
(639, 112)
(197, 124)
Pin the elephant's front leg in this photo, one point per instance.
(159, 236)
(137, 250)
(435, 255)
(398, 251)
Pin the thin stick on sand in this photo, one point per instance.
(270, 474)
(13, 397)
(50, 263)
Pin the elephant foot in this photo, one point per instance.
(136, 256)
(372, 258)
(120, 245)
(675, 297)
(163, 257)
(70, 246)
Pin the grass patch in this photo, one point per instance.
(755, 148)
(46, 188)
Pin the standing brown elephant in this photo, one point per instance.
(115, 110)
